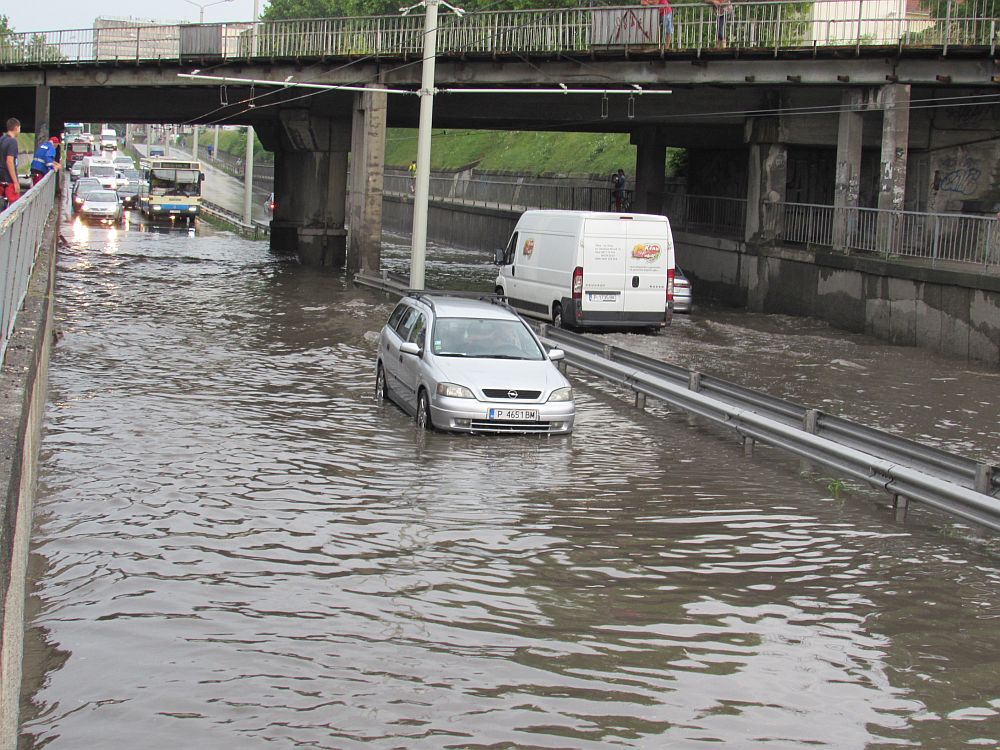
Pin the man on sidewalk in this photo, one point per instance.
(10, 188)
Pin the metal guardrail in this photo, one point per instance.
(21, 229)
(255, 228)
(932, 236)
(904, 468)
(762, 26)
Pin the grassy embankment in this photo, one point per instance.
(536, 153)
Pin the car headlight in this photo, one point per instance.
(451, 390)
(561, 394)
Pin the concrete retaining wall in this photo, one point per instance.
(22, 402)
(459, 226)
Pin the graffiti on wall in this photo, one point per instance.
(958, 174)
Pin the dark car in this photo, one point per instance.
(83, 186)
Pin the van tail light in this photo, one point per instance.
(670, 285)
(578, 282)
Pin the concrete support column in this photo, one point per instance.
(42, 113)
(848, 175)
(311, 187)
(895, 100)
(767, 177)
(364, 251)
(650, 165)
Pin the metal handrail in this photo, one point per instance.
(21, 228)
(772, 25)
(903, 468)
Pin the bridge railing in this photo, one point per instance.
(931, 236)
(21, 227)
(769, 25)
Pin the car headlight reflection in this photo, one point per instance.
(452, 390)
(561, 394)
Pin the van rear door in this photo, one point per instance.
(650, 254)
(604, 249)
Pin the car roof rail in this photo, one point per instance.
(421, 295)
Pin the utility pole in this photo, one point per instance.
(418, 248)
(248, 158)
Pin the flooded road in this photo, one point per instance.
(236, 547)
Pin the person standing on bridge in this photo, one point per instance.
(618, 189)
(666, 20)
(44, 160)
(9, 186)
(723, 12)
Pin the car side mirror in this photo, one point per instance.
(409, 347)
(498, 257)
(556, 354)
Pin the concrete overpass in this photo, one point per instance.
(838, 111)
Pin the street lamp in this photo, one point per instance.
(201, 7)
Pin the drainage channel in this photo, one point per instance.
(905, 469)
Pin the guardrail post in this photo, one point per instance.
(810, 421)
(640, 400)
(984, 477)
(607, 351)
(900, 504)
(694, 381)
(748, 444)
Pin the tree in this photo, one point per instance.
(285, 9)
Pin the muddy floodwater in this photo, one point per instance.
(236, 547)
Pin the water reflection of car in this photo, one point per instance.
(81, 187)
(682, 292)
(471, 365)
(103, 206)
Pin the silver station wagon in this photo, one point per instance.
(471, 365)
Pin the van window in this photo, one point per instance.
(508, 253)
(405, 324)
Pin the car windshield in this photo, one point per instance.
(102, 196)
(87, 183)
(488, 338)
(101, 170)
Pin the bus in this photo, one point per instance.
(71, 129)
(171, 189)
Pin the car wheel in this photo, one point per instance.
(424, 411)
(557, 316)
(380, 389)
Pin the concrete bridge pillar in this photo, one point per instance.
(364, 251)
(895, 100)
(848, 174)
(767, 177)
(310, 176)
(650, 164)
(42, 113)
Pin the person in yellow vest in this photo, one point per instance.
(413, 175)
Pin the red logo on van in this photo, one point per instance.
(529, 248)
(646, 252)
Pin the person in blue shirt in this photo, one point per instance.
(44, 160)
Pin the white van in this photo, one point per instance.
(102, 169)
(109, 140)
(585, 268)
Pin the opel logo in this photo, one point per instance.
(511, 394)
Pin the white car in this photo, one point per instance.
(104, 206)
(471, 365)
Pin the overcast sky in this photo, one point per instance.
(46, 15)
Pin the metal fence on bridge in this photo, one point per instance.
(21, 227)
(772, 25)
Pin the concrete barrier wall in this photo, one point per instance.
(459, 226)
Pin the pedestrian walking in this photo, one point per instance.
(44, 160)
(618, 189)
(413, 175)
(10, 188)
(666, 20)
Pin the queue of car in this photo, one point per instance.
(103, 187)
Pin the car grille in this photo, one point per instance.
(485, 425)
(506, 393)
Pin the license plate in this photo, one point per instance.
(518, 415)
(597, 297)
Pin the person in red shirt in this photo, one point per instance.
(666, 19)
